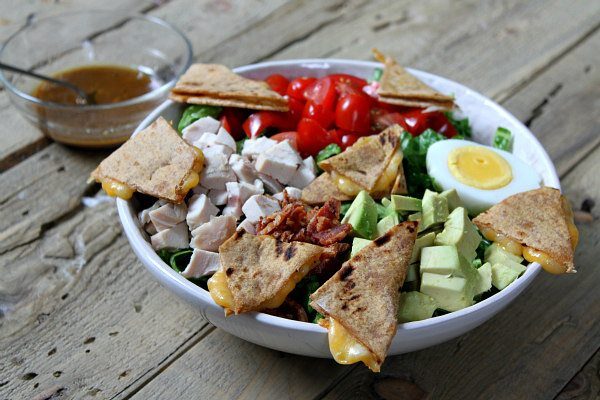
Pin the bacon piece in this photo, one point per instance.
(332, 235)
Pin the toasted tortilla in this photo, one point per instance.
(156, 161)
(213, 84)
(363, 295)
(398, 86)
(322, 189)
(400, 182)
(365, 161)
(537, 219)
(257, 267)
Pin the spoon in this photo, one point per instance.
(82, 97)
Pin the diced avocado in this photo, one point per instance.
(358, 244)
(476, 263)
(446, 260)
(415, 217)
(484, 283)
(423, 241)
(518, 268)
(405, 203)
(385, 202)
(383, 211)
(460, 232)
(502, 276)
(452, 293)
(362, 215)
(452, 198)
(386, 224)
(495, 254)
(412, 274)
(415, 306)
(435, 209)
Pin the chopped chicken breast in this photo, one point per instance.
(217, 171)
(305, 174)
(200, 190)
(173, 238)
(259, 206)
(243, 168)
(224, 138)
(200, 209)
(247, 226)
(280, 161)
(194, 131)
(216, 148)
(292, 192)
(237, 194)
(210, 235)
(218, 197)
(206, 140)
(144, 215)
(271, 184)
(202, 263)
(168, 215)
(254, 147)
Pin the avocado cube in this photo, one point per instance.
(412, 274)
(415, 217)
(362, 215)
(357, 245)
(385, 202)
(452, 198)
(502, 276)
(495, 254)
(518, 268)
(386, 224)
(460, 232)
(405, 203)
(421, 242)
(484, 283)
(435, 209)
(452, 293)
(415, 306)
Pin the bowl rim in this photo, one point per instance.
(168, 277)
(125, 18)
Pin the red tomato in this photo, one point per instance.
(383, 118)
(441, 124)
(322, 114)
(348, 140)
(349, 80)
(312, 137)
(257, 123)
(296, 108)
(291, 136)
(353, 113)
(415, 122)
(320, 104)
(278, 83)
(297, 87)
(231, 119)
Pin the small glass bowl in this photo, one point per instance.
(79, 38)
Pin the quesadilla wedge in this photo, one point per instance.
(540, 221)
(156, 161)
(321, 189)
(360, 301)
(398, 86)
(258, 272)
(214, 84)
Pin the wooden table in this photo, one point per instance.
(81, 318)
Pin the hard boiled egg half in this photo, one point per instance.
(482, 175)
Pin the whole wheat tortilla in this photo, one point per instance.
(322, 189)
(400, 182)
(156, 161)
(217, 82)
(258, 266)
(210, 101)
(363, 295)
(365, 161)
(537, 219)
(446, 105)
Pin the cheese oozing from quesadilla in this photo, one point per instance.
(385, 181)
(346, 349)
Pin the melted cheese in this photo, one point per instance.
(220, 293)
(199, 164)
(573, 232)
(346, 349)
(507, 244)
(385, 181)
(191, 181)
(117, 189)
(288, 286)
(544, 260)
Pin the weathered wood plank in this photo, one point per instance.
(586, 384)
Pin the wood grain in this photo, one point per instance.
(584, 385)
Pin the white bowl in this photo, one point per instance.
(310, 339)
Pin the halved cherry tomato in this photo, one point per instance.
(441, 124)
(291, 136)
(353, 113)
(312, 137)
(260, 121)
(231, 119)
(297, 87)
(320, 105)
(348, 140)
(278, 83)
(383, 118)
(348, 80)
(296, 108)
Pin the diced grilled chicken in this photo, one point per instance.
(202, 263)
(194, 131)
(243, 168)
(292, 192)
(224, 138)
(205, 140)
(280, 161)
(144, 215)
(173, 238)
(237, 194)
(254, 147)
(259, 206)
(216, 148)
(217, 197)
(168, 215)
(270, 183)
(200, 190)
(305, 174)
(217, 172)
(200, 209)
(247, 226)
(210, 235)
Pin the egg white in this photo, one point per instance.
(478, 200)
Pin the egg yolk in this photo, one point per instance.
(479, 167)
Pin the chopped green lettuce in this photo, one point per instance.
(415, 168)
(377, 73)
(503, 139)
(329, 151)
(194, 112)
(462, 126)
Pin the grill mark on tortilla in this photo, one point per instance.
(279, 248)
(380, 241)
(229, 271)
(346, 272)
(290, 252)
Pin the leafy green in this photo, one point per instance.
(329, 151)
(377, 73)
(239, 145)
(317, 318)
(180, 259)
(165, 255)
(503, 139)
(344, 208)
(483, 245)
(415, 168)
(194, 112)
(461, 125)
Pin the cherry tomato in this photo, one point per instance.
(278, 83)
(297, 87)
(348, 140)
(441, 124)
(312, 137)
(260, 121)
(296, 108)
(322, 114)
(231, 119)
(291, 136)
(353, 113)
(345, 81)
(382, 119)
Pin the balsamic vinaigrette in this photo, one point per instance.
(105, 83)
